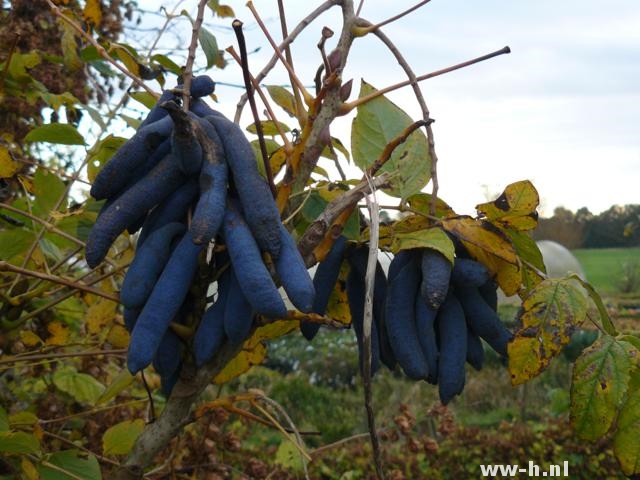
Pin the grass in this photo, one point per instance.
(604, 266)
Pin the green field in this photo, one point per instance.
(604, 267)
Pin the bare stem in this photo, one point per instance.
(369, 29)
(300, 111)
(49, 226)
(372, 260)
(7, 267)
(246, 75)
(295, 80)
(304, 23)
(347, 107)
(191, 57)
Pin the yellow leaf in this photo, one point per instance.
(59, 333)
(126, 57)
(338, 306)
(422, 203)
(29, 471)
(92, 12)
(549, 315)
(490, 246)
(433, 238)
(270, 331)
(99, 314)
(8, 167)
(30, 339)
(118, 336)
(515, 207)
(242, 363)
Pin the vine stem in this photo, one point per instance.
(191, 57)
(372, 260)
(371, 28)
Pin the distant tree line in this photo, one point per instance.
(619, 226)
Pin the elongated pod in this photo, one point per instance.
(210, 334)
(425, 326)
(173, 208)
(202, 110)
(324, 281)
(209, 211)
(130, 316)
(147, 265)
(359, 258)
(163, 303)
(489, 293)
(238, 314)
(475, 350)
(293, 273)
(402, 258)
(483, 320)
(144, 195)
(469, 273)
(135, 152)
(356, 291)
(169, 355)
(400, 318)
(436, 274)
(184, 143)
(260, 209)
(252, 275)
(452, 336)
(201, 86)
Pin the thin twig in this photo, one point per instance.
(426, 116)
(272, 116)
(304, 23)
(246, 75)
(298, 104)
(294, 78)
(347, 107)
(49, 226)
(7, 267)
(47, 356)
(81, 447)
(363, 31)
(99, 48)
(191, 57)
(92, 412)
(372, 260)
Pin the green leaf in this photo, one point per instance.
(4, 420)
(101, 152)
(626, 441)
(433, 238)
(269, 128)
(21, 419)
(14, 242)
(377, 123)
(59, 133)
(82, 387)
(20, 62)
(422, 203)
(289, 456)
(283, 98)
(549, 315)
(48, 188)
(531, 257)
(209, 45)
(18, 442)
(69, 46)
(119, 439)
(130, 121)
(117, 385)
(605, 319)
(145, 98)
(599, 383)
(167, 63)
(78, 465)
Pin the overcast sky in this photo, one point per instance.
(563, 109)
